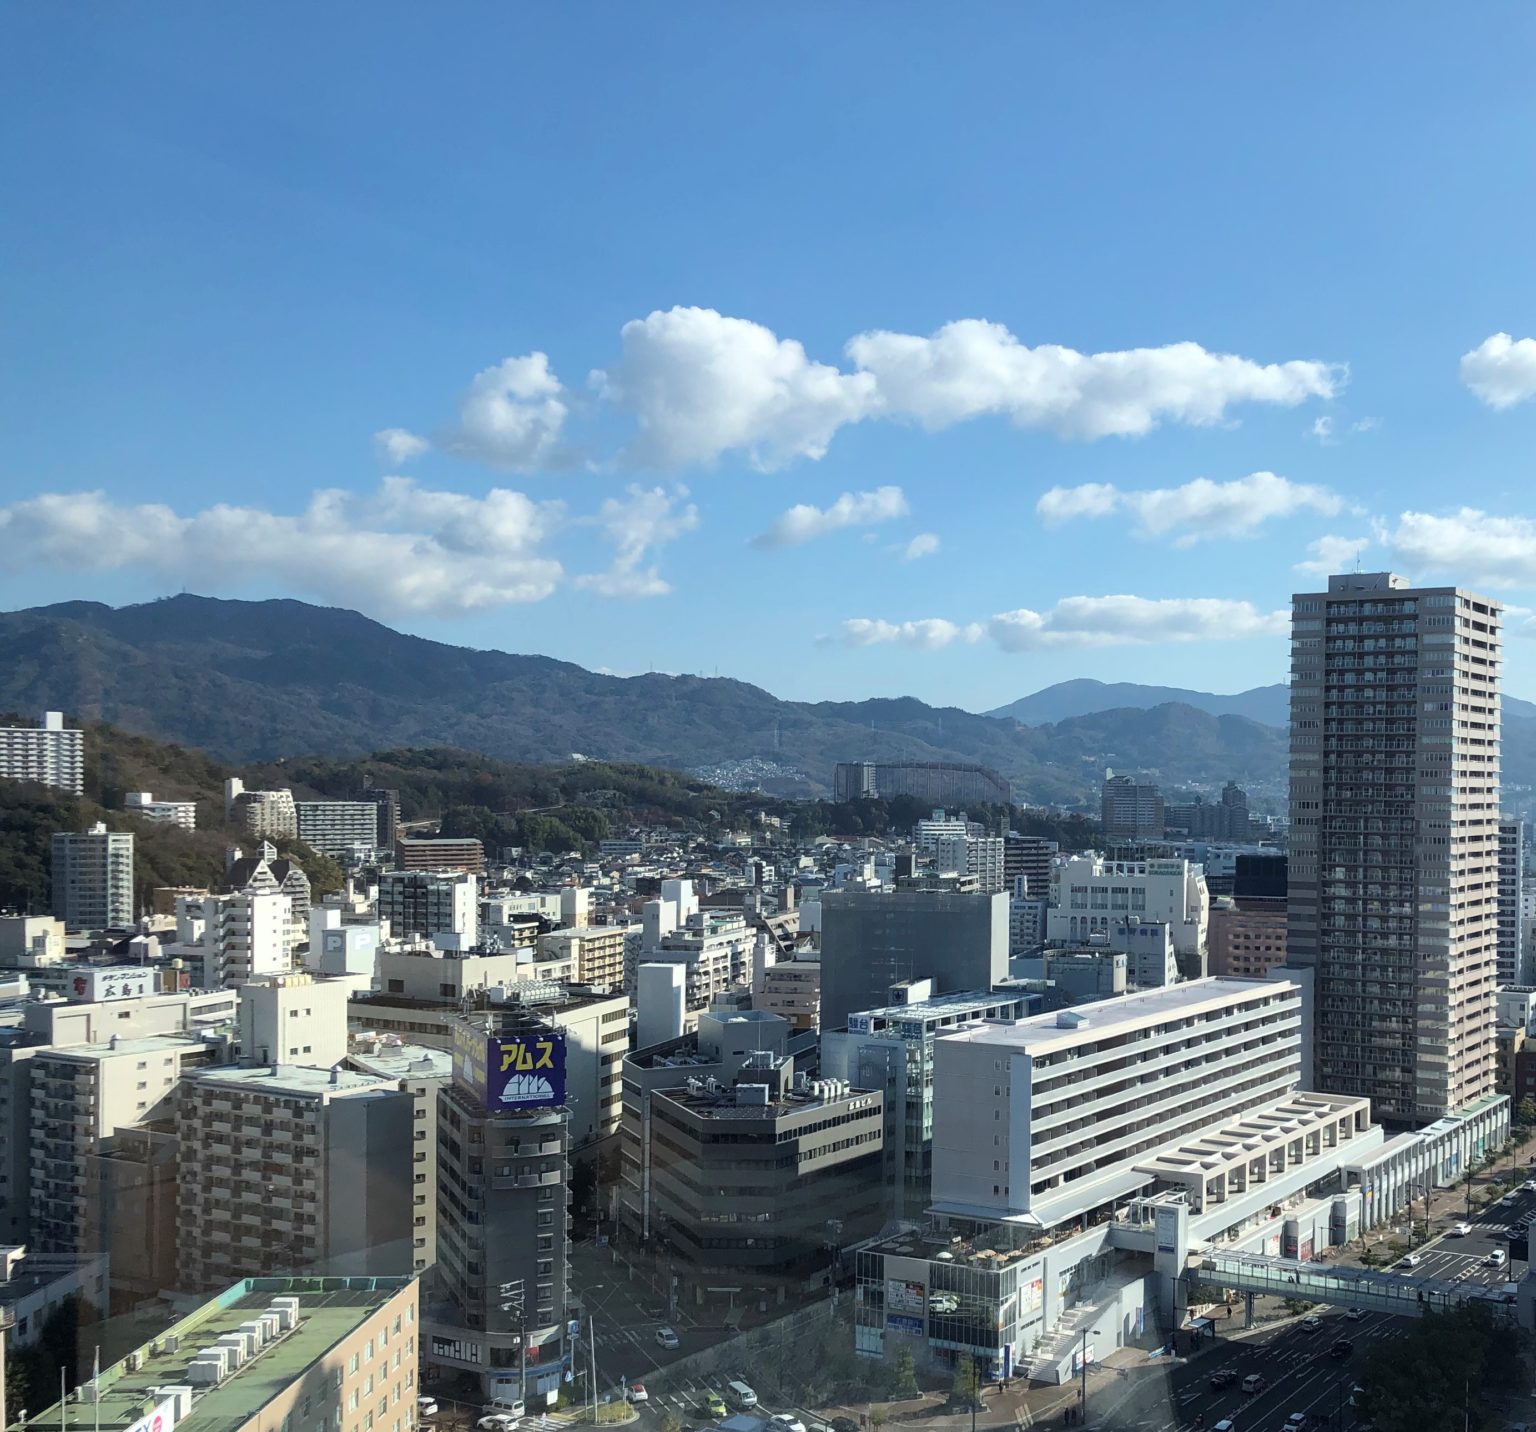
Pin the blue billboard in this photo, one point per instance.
(511, 1071)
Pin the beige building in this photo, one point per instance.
(595, 952)
(792, 990)
(303, 1354)
(1394, 846)
(1246, 937)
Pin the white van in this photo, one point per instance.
(741, 1395)
(1497, 1259)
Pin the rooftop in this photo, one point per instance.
(939, 1007)
(296, 1079)
(759, 1101)
(1089, 1023)
(330, 1309)
(404, 1061)
(122, 1048)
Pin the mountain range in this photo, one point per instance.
(259, 681)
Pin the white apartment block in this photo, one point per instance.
(93, 878)
(1047, 1118)
(293, 1019)
(338, 827)
(48, 754)
(715, 947)
(978, 856)
(594, 952)
(144, 805)
(244, 935)
(1091, 894)
(260, 812)
(926, 834)
(30, 941)
(1394, 845)
(791, 989)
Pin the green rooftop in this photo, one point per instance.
(330, 1309)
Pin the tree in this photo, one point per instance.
(877, 1418)
(1526, 1113)
(965, 1392)
(671, 1422)
(905, 1383)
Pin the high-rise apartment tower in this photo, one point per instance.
(1395, 839)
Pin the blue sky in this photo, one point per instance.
(630, 283)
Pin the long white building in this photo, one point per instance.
(49, 754)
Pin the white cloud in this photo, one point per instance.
(1332, 555)
(400, 549)
(1365, 425)
(925, 544)
(925, 634)
(637, 525)
(853, 509)
(1476, 547)
(701, 385)
(1322, 430)
(1196, 510)
(973, 368)
(1132, 621)
(1501, 370)
(512, 415)
(397, 446)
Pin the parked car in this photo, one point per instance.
(426, 1407)
(1254, 1383)
(668, 1339)
(1354, 1315)
(1311, 1323)
(1223, 1377)
(713, 1405)
(636, 1392)
(1225, 1425)
(506, 1407)
(786, 1422)
(497, 1422)
(1297, 1422)
(1342, 1348)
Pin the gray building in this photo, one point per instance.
(872, 941)
(1394, 845)
(502, 1240)
(891, 1049)
(430, 903)
(1132, 809)
(93, 878)
(338, 827)
(1512, 964)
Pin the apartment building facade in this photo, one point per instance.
(1394, 847)
(49, 753)
(338, 827)
(93, 878)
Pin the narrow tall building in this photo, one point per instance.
(1394, 857)
(93, 878)
(1512, 965)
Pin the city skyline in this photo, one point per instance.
(569, 415)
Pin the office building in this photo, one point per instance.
(874, 940)
(144, 805)
(293, 1019)
(48, 754)
(430, 904)
(1030, 856)
(93, 878)
(764, 1180)
(940, 783)
(1092, 893)
(1394, 844)
(1132, 809)
(1247, 937)
(979, 857)
(338, 827)
(267, 1353)
(502, 1240)
(33, 1285)
(891, 1049)
(287, 1169)
(1512, 966)
(438, 853)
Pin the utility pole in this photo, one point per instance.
(513, 1292)
(1083, 1398)
(592, 1361)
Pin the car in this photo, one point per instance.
(497, 1422)
(667, 1338)
(1341, 1348)
(636, 1392)
(426, 1407)
(1223, 1377)
(1409, 1260)
(1311, 1323)
(1529, 1186)
(786, 1422)
(1496, 1259)
(1297, 1422)
(1459, 1230)
(1508, 1198)
(1225, 1425)
(1354, 1314)
(506, 1407)
(1254, 1383)
(713, 1405)
(943, 1303)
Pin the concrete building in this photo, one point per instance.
(1247, 937)
(891, 1049)
(791, 989)
(266, 871)
(502, 1245)
(300, 1353)
(338, 827)
(293, 1019)
(1225, 819)
(1092, 893)
(763, 1181)
(1132, 809)
(245, 936)
(28, 941)
(980, 857)
(93, 878)
(423, 853)
(714, 946)
(49, 754)
(595, 953)
(34, 1285)
(388, 805)
(430, 904)
(422, 1073)
(928, 832)
(872, 941)
(1030, 856)
(144, 805)
(261, 812)
(287, 1169)
(1513, 967)
(1394, 843)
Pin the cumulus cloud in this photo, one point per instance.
(1501, 370)
(853, 509)
(397, 446)
(512, 415)
(925, 634)
(1477, 547)
(1196, 510)
(1331, 555)
(925, 544)
(402, 548)
(701, 384)
(1322, 430)
(645, 519)
(1132, 621)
